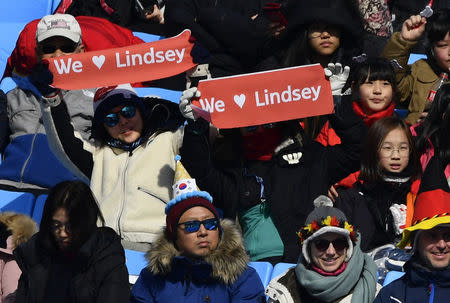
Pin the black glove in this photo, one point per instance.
(199, 54)
(41, 77)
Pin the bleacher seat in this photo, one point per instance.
(24, 10)
(414, 57)
(135, 261)
(38, 208)
(171, 95)
(264, 270)
(401, 112)
(392, 276)
(17, 201)
(7, 84)
(147, 37)
(281, 268)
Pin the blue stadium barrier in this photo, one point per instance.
(171, 95)
(10, 32)
(264, 270)
(147, 37)
(401, 112)
(392, 276)
(55, 4)
(135, 261)
(24, 10)
(7, 84)
(414, 57)
(38, 208)
(281, 268)
(17, 201)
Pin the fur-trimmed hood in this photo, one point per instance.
(22, 227)
(228, 261)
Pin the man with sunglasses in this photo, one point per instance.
(56, 35)
(427, 272)
(197, 257)
(331, 266)
(129, 160)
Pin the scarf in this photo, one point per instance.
(372, 118)
(260, 145)
(116, 143)
(359, 277)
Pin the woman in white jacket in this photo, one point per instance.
(129, 160)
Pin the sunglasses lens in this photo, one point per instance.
(50, 49)
(128, 111)
(192, 226)
(69, 48)
(340, 244)
(322, 244)
(111, 120)
(211, 224)
(250, 129)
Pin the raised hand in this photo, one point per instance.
(185, 102)
(413, 28)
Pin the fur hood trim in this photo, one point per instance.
(21, 226)
(228, 261)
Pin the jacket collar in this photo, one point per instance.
(419, 274)
(226, 263)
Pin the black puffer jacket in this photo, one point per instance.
(367, 208)
(99, 271)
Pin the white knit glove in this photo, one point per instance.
(185, 102)
(337, 76)
(399, 215)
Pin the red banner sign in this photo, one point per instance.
(129, 64)
(265, 97)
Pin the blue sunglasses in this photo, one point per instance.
(112, 119)
(194, 226)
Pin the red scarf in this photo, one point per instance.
(260, 145)
(334, 273)
(372, 118)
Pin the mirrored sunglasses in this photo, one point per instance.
(338, 244)
(194, 226)
(112, 119)
(65, 48)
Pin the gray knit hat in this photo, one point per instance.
(323, 219)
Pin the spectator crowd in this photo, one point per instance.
(344, 198)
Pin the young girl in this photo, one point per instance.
(374, 94)
(70, 259)
(376, 203)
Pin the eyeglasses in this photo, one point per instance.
(112, 119)
(250, 129)
(388, 150)
(338, 244)
(65, 48)
(194, 226)
(58, 227)
(316, 30)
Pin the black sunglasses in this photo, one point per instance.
(338, 244)
(194, 226)
(112, 119)
(253, 128)
(65, 48)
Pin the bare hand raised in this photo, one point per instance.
(413, 28)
